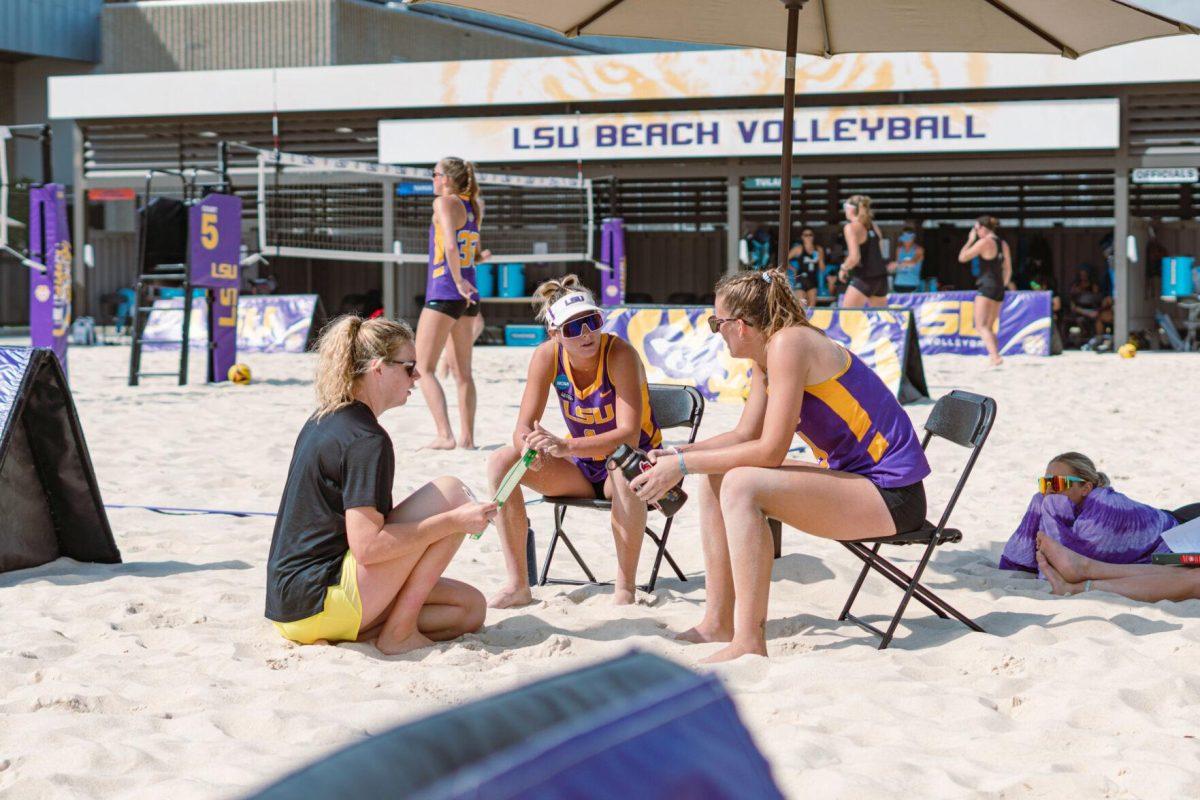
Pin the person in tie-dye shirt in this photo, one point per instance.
(600, 387)
(869, 481)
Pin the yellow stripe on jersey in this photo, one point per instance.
(878, 446)
(844, 404)
(648, 426)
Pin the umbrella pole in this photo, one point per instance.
(789, 113)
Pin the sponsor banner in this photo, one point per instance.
(215, 234)
(50, 291)
(277, 323)
(677, 347)
(1090, 124)
(946, 322)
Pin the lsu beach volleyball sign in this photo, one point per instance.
(677, 347)
(1089, 124)
(946, 322)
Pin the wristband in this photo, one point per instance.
(682, 466)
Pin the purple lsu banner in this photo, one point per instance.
(677, 346)
(215, 244)
(277, 323)
(946, 322)
(50, 291)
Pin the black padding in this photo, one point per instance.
(675, 406)
(51, 503)
(476, 749)
(962, 417)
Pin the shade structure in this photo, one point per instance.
(1068, 28)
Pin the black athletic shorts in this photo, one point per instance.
(906, 504)
(598, 489)
(454, 308)
(805, 282)
(992, 290)
(871, 287)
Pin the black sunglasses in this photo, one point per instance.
(575, 327)
(409, 366)
(715, 323)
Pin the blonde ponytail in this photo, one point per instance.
(862, 205)
(462, 174)
(1082, 467)
(549, 292)
(348, 347)
(763, 300)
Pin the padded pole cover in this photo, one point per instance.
(51, 503)
(635, 726)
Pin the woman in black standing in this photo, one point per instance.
(995, 271)
(864, 266)
(806, 263)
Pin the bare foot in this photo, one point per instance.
(1058, 584)
(441, 443)
(997, 361)
(414, 641)
(1068, 563)
(624, 597)
(702, 634)
(511, 598)
(467, 443)
(735, 651)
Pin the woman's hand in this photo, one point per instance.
(465, 289)
(547, 443)
(652, 484)
(972, 236)
(474, 517)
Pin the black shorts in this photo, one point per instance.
(454, 308)
(805, 282)
(598, 489)
(871, 287)
(991, 289)
(906, 504)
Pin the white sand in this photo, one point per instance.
(159, 677)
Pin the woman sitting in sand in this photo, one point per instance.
(1072, 573)
(345, 565)
(869, 482)
(1077, 507)
(599, 385)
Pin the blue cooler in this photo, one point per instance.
(512, 280)
(1177, 276)
(485, 279)
(524, 335)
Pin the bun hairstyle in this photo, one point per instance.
(549, 292)
(991, 223)
(1082, 467)
(862, 205)
(462, 174)
(348, 347)
(763, 300)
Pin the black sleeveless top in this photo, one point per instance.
(991, 270)
(873, 265)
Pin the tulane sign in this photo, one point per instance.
(1091, 124)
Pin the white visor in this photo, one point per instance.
(572, 305)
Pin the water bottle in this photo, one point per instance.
(632, 462)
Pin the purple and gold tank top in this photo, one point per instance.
(592, 410)
(440, 283)
(853, 423)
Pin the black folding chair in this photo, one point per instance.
(673, 407)
(965, 419)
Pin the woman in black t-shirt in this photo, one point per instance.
(345, 565)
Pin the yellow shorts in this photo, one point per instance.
(341, 617)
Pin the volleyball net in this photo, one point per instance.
(348, 210)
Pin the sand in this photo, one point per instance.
(160, 677)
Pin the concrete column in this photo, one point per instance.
(390, 299)
(733, 222)
(1124, 299)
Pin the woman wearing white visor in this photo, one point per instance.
(600, 387)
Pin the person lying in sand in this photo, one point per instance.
(869, 482)
(1077, 506)
(1071, 573)
(345, 565)
(600, 388)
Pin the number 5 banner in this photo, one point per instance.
(215, 237)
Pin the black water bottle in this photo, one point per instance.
(632, 462)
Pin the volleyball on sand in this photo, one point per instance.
(239, 374)
(1127, 350)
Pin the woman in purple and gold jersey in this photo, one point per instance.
(600, 387)
(451, 299)
(869, 481)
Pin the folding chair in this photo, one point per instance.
(673, 407)
(965, 419)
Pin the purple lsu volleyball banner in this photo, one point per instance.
(946, 322)
(215, 244)
(50, 291)
(276, 323)
(677, 347)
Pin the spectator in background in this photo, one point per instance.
(1090, 307)
(806, 264)
(910, 256)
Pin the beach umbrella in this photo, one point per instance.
(1068, 28)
